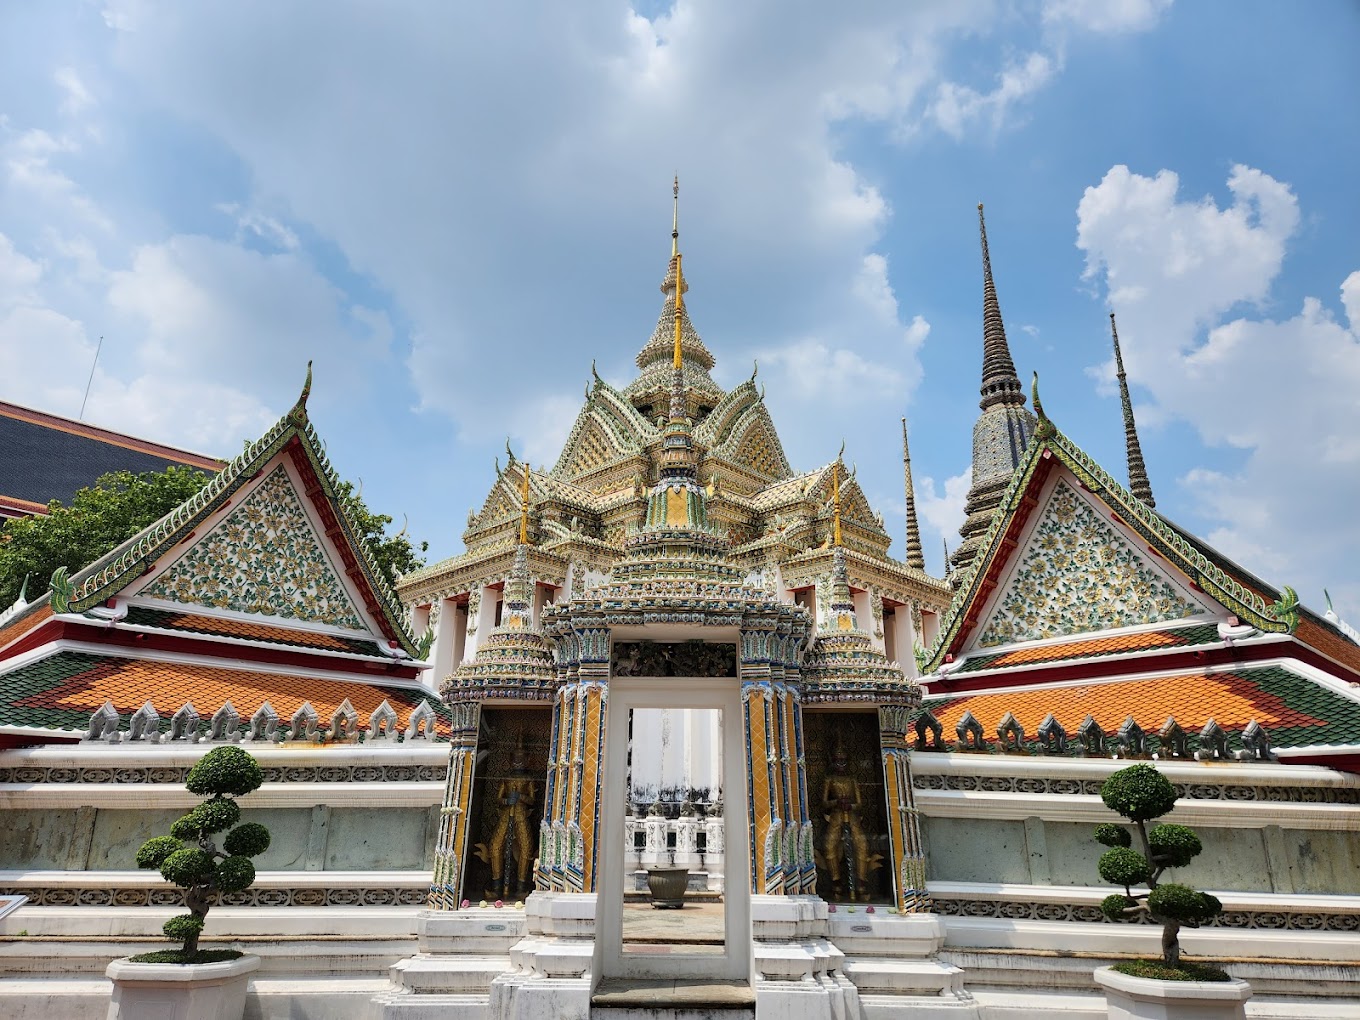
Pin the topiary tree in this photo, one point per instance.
(200, 868)
(1140, 793)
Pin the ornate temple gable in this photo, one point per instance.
(1077, 573)
(293, 438)
(263, 557)
(608, 430)
(717, 426)
(754, 444)
(1241, 595)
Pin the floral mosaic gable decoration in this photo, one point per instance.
(1078, 574)
(263, 557)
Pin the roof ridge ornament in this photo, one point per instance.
(1045, 427)
(299, 412)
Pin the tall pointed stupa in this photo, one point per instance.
(914, 556)
(1004, 427)
(1138, 476)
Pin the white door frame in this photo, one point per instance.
(626, 693)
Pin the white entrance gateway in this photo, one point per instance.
(724, 696)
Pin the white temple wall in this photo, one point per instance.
(675, 749)
(904, 641)
(444, 651)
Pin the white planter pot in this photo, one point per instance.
(180, 991)
(1137, 998)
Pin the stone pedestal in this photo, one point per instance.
(892, 961)
(461, 953)
(1136, 998)
(797, 972)
(551, 967)
(180, 991)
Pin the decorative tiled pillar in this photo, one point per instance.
(568, 839)
(780, 827)
(451, 844)
(904, 823)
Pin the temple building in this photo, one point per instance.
(671, 671)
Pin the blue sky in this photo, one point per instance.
(453, 209)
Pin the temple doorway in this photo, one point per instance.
(673, 832)
(674, 828)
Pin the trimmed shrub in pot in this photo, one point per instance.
(190, 858)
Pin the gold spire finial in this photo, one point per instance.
(524, 506)
(675, 217)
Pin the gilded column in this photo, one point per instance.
(451, 844)
(904, 822)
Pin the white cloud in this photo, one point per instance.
(586, 110)
(1179, 273)
(259, 224)
(957, 109)
(814, 367)
(1106, 15)
(941, 507)
(76, 97)
(19, 274)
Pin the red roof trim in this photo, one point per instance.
(1178, 659)
(315, 490)
(20, 507)
(219, 648)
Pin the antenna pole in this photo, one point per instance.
(99, 347)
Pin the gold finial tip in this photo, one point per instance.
(979, 207)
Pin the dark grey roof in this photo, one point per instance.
(45, 457)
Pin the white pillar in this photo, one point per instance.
(442, 655)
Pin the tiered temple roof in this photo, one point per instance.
(583, 509)
(257, 597)
(1088, 613)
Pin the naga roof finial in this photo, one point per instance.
(1139, 484)
(1034, 393)
(299, 411)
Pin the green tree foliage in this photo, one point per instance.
(119, 505)
(99, 519)
(203, 870)
(1141, 793)
(394, 554)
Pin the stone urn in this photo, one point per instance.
(1140, 998)
(667, 886)
(180, 991)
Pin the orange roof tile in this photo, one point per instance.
(1193, 699)
(199, 624)
(129, 683)
(15, 628)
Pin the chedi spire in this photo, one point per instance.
(1002, 430)
(1138, 476)
(914, 557)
